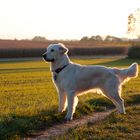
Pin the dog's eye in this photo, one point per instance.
(52, 50)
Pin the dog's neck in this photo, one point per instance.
(59, 63)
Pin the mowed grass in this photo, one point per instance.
(29, 102)
(114, 127)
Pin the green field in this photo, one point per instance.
(28, 99)
(114, 127)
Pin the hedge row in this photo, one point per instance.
(37, 52)
(134, 51)
(99, 51)
(19, 53)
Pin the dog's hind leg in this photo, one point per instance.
(114, 94)
(118, 102)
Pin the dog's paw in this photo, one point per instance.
(68, 118)
(61, 110)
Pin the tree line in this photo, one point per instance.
(100, 38)
(85, 38)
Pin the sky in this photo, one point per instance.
(64, 19)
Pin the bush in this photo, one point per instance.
(134, 51)
(21, 52)
(98, 51)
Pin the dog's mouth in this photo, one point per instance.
(48, 60)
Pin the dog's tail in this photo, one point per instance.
(125, 74)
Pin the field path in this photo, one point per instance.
(60, 129)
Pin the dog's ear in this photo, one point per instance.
(62, 48)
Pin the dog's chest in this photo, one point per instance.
(55, 76)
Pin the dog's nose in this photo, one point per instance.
(44, 56)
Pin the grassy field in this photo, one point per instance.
(114, 127)
(28, 99)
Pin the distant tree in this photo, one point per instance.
(85, 38)
(96, 38)
(99, 38)
(39, 38)
(112, 38)
(134, 23)
(16, 39)
(92, 38)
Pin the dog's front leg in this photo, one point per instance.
(62, 101)
(71, 105)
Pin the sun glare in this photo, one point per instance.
(71, 19)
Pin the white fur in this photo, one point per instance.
(75, 79)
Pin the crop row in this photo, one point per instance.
(14, 49)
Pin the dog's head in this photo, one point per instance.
(55, 51)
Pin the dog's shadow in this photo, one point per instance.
(29, 125)
(24, 125)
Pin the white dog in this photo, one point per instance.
(71, 79)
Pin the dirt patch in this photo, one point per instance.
(60, 129)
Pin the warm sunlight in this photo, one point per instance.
(64, 19)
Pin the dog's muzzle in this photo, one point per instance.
(44, 56)
(46, 59)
